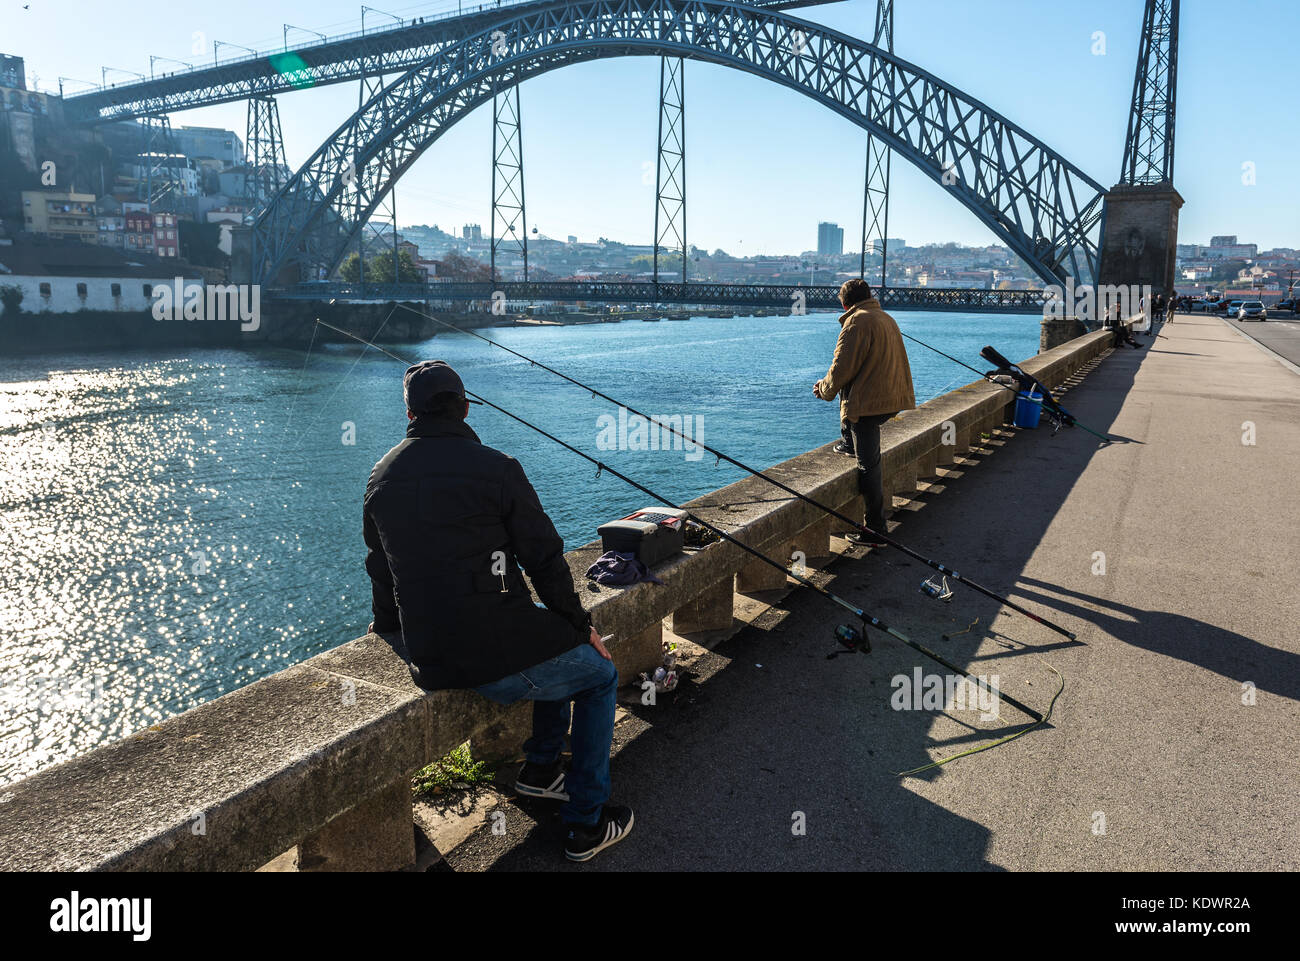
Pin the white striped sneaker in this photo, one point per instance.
(540, 781)
(584, 843)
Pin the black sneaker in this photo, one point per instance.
(865, 540)
(542, 781)
(584, 843)
(843, 448)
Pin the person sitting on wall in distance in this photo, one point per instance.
(1123, 335)
(871, 375)
(448, 525)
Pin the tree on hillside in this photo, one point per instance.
(459, 267)
(668, 260)
(1228, 270)
(379, 269)
(11, 300)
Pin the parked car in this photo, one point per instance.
(1202, 306)
(1288, 305)
(1233, 307)
(1252, 310)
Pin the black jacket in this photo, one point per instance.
(448, 525)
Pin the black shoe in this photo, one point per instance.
(865, 540)
(542, 781)
(842, 448)
(584, 843)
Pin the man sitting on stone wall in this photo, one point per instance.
(449, 523)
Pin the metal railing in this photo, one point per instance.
(795, 297)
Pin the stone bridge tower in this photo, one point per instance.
(1140, 223)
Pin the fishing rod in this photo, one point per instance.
(601, 467)
(879, 535)
(1029, 383)
(988, 353)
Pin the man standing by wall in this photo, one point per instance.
(873, 380)
(448, 525)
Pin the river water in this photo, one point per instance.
(177, 524)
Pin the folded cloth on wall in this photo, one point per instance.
(619, 569)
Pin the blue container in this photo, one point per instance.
(1029, 407)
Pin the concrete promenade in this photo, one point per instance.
(1175, 744)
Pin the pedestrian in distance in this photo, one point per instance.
(1157, 313)
(873, 380)
(451, 526)
(1123, 335)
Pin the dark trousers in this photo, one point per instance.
(863, 435)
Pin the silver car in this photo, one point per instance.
(1252, 310)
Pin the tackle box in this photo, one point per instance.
(653, 534)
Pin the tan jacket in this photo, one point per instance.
(869, 372)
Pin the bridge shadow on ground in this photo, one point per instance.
(767, 733)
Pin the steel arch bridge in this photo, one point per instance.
(1045, 209)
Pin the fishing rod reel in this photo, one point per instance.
(939, 590)
(852, 639)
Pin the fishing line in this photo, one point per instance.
(601, 467)
(293, 408)
(339, 385)
(966, 630)
(1002, 740)
(807, 499)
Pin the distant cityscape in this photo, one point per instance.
(130, 200)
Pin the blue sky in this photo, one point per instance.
(765, 164)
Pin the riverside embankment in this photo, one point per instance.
(179, 523)
(1175, 743)
(317, 756)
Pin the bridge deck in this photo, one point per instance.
(383, 48)
(794, 297)
(1198, 531)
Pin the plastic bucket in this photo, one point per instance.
(1029, 407)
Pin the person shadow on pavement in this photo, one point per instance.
(1216, 649)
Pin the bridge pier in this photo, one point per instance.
(1055, 331)
(1140, 237)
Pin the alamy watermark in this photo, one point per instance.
(1099, 303)
(680, 432)
(937, 692)
(195, 301)
(75, 914)
(63, 694)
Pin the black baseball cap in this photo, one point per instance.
(426, 380)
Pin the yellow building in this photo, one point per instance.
(62, 215)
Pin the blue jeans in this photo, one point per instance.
(588, 680)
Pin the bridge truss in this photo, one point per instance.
(1041, 206)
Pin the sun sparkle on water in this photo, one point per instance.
(176, 526)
